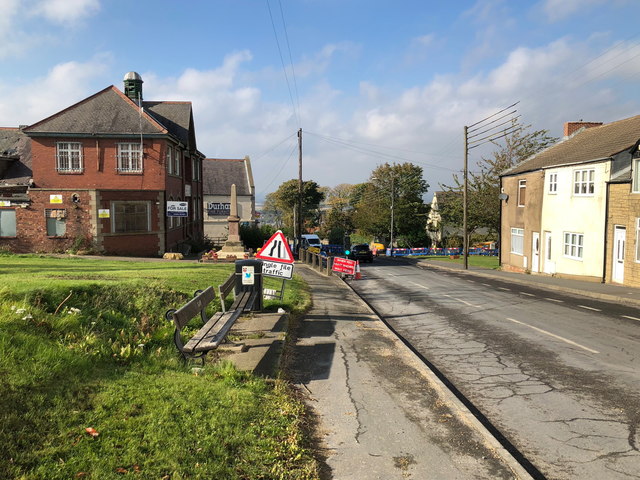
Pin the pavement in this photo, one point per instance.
(379, 412)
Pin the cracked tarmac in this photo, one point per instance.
(381, 415)
(568, 416)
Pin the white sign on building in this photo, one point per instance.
(177, 209)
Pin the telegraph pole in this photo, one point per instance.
(465, 194)
(487, 132)
(299, 219)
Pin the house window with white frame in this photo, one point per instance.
(583, 182)
(130, 217)
(69, 157)
(7, 222)
(176, 165)
(517, 241)
(522, 192)
(573, 245)
(169, 160)
(553, 184)
(129, 157)
(637, 239)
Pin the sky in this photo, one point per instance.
(368, 81)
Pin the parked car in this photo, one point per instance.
(361, 252)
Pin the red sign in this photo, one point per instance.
(276, 249)
(344, 265)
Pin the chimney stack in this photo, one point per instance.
(571, 127)
(133, 86)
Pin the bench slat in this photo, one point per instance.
(225, 289)
(213, 333)
(185, 313)
(245, 301)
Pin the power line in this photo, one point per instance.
(293, 70)
(284, 69)
(375, 153)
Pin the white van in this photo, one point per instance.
(311, 242)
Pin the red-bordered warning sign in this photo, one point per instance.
(276, 249)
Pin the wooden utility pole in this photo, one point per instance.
(465, 190)
(299, 240)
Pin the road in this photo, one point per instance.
(557, 375)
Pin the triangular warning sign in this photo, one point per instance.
(276, 249)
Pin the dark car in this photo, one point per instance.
(361, 252)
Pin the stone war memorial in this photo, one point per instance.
(233, 247)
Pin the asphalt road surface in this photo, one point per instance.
(557, 375)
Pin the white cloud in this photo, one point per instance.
(64, 85)
(66, 11)
(561, 9)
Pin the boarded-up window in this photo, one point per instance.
(7, 223)
(56, 219)
(129, 217)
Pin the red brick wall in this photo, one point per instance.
(31, 229)
(99, 162)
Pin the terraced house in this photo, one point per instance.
(113, 170)
(574, 209)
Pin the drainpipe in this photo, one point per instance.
(606, 233)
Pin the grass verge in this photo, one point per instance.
(92, 386)
(474, 260)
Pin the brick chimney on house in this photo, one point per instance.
(571, 127)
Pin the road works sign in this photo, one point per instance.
(277, 269)
(344, 265)
(276, 249)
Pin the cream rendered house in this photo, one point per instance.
(568, 230)
(573, 219)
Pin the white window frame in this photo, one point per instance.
(517, 247)
(129, 157)
(178, 159)
(522, 188)
(115, 205)
(635, 183)
(169, 159)
(8, 223)
(553, 183)
(573, 245)
(584, 182)
(638, 240)
(69, 157)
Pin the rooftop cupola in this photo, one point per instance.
(133, 86)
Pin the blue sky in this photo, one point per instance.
(369, 81)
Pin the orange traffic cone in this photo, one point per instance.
(358, 275)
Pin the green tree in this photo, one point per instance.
(402, 187)
(284, 201)
(483, 203)
(337, 220)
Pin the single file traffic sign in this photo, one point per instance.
(276, 249)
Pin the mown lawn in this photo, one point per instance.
(91, 385)
(474, 260)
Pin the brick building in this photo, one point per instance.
(113, 171)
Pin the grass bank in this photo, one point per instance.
(92, 386)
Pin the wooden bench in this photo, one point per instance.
(243, 301)
(214, 328)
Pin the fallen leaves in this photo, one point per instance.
(92, 431)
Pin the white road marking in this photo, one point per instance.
(590, 308)
(505, 289)
(631, 318)
(487, 285)
(554, 300)
(462, 301)
(566, 340)
(527, 294)
(421, 286)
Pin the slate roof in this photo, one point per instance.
(219, 174)
(15, 157)
(586, 145)
(111, 113)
